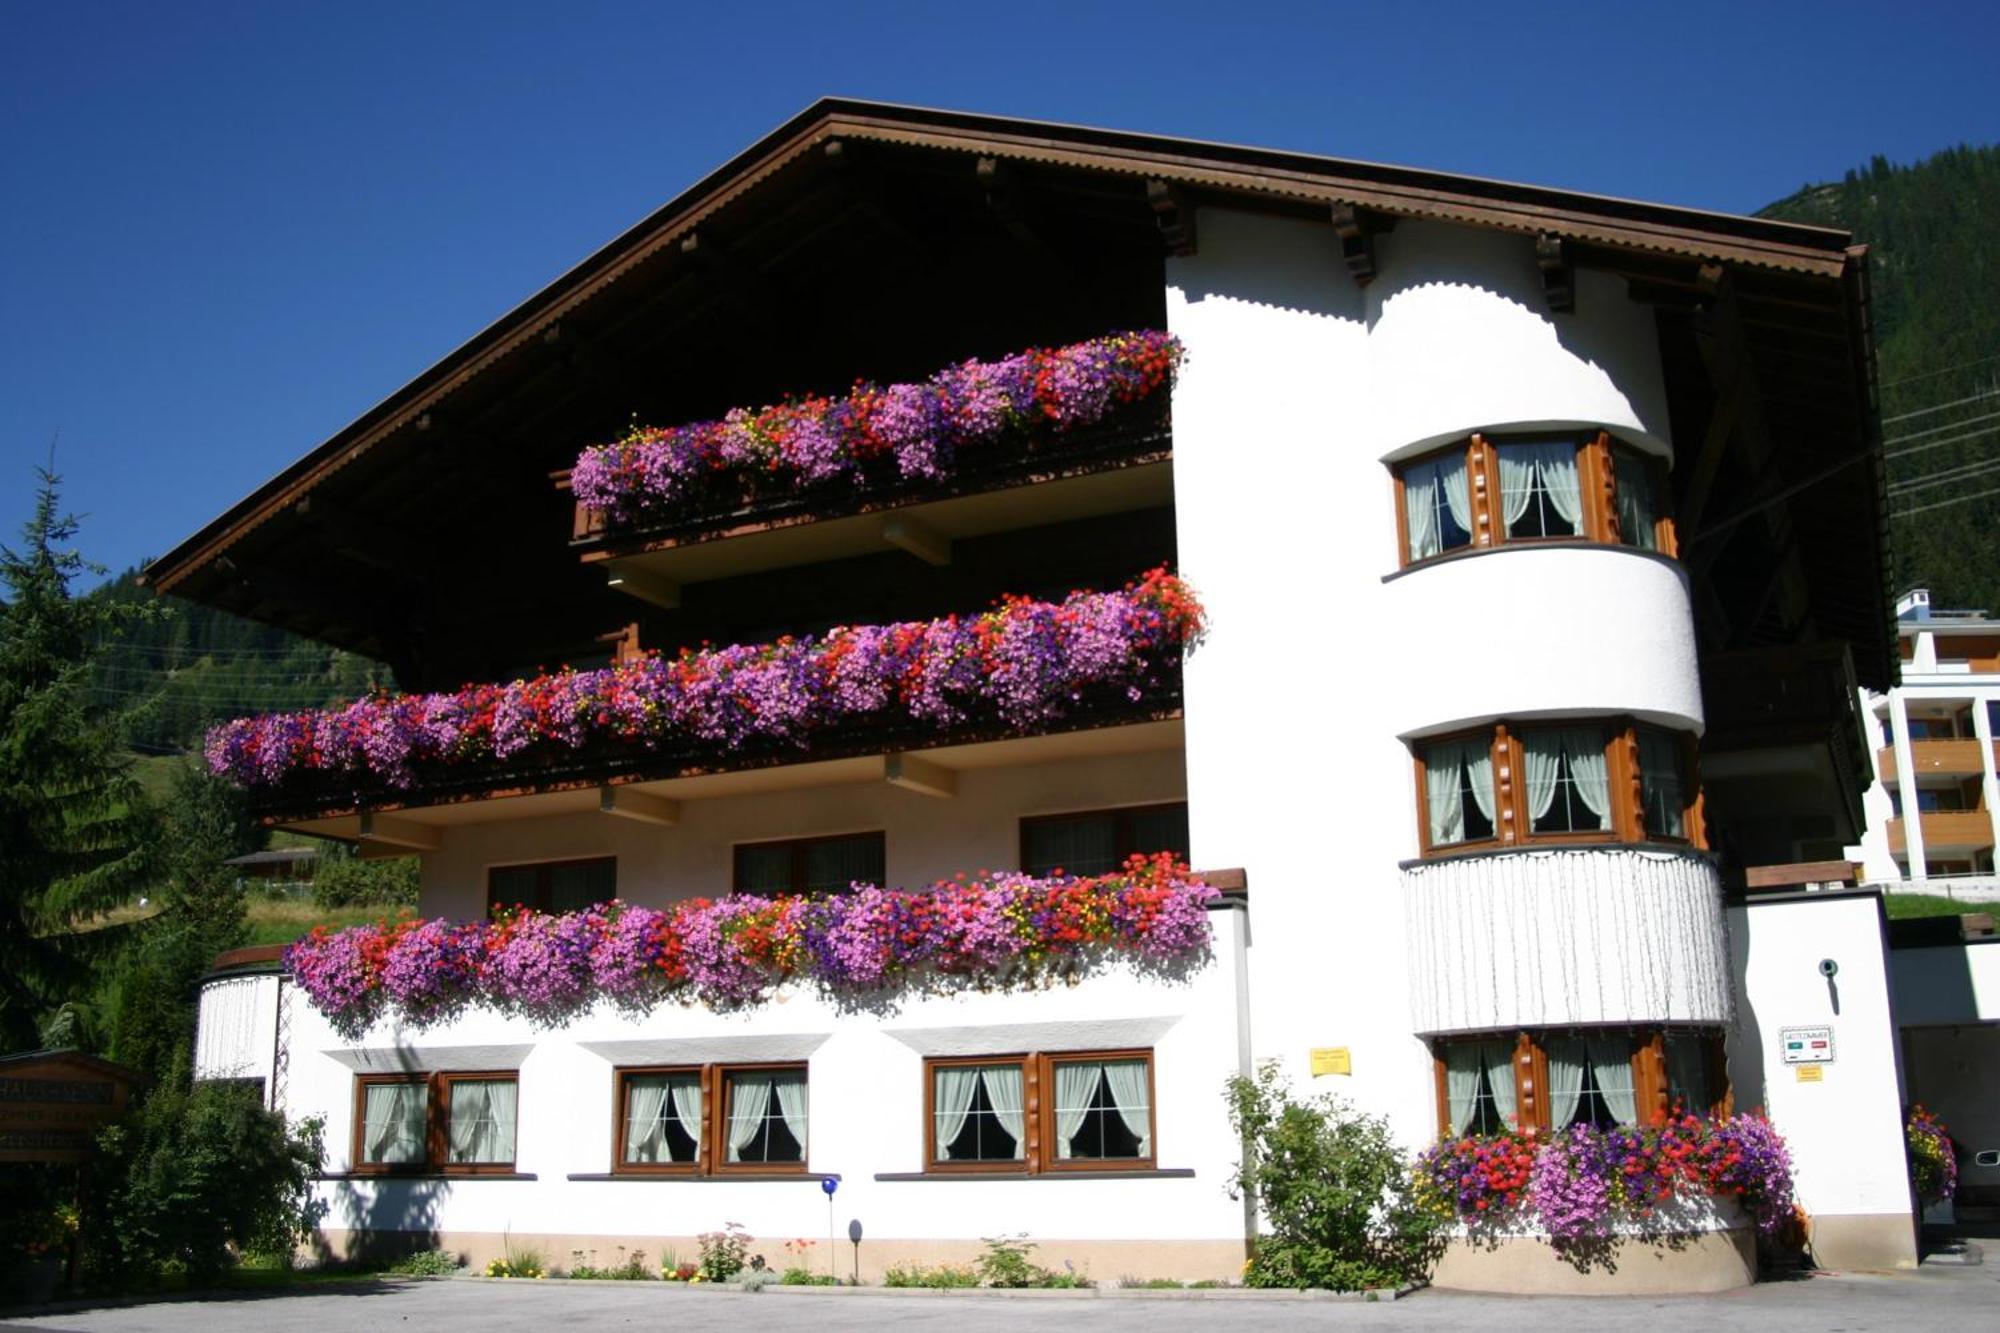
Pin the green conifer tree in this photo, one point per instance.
(72, 820)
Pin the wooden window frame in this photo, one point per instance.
(1531, 1070)
(1038, 1156)
(437, 1087)
(1622, 772)
(1597, 482)
(712, 1161)
(1122, 835)
(543, 888)
(797, 847)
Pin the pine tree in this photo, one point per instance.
(72, 819)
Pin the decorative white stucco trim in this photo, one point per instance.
(747, 1049)
(429, 1059)
(1006, 1038)
(1554, 938)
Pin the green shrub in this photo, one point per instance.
(724, 1253)
(342, 879)
(195, 1175)
(915, 1275)
(426, 1263)
(632, 1268)
(1332, 1188)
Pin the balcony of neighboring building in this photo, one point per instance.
(1951, 834)
(1952, 758)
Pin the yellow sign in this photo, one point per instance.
(1331, 1060)
(1811, 1073)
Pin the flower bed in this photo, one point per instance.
(1933, 1163)
(1584, 1183)
(911, 432)
(992, 930)
(1024, 664)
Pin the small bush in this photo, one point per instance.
(341, 879)
(632, 1268)
(724, 1253)
(915, 1275)
(517, 1261)
(426, 1263)
(1333, 1189)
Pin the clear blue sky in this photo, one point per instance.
(230, 229)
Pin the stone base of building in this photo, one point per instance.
(1704, 1261)
(1097, 1260)
(1864, 1240)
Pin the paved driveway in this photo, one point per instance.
(1935, 1299)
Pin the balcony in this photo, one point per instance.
(1945, 831)
(910, 703)
(1939, 758)
(1041, 437)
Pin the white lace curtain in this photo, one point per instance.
(392, 1122)
(750, 1099)
(955, 1088)
(1582, 750)
(1465, 1062)
(1447, 765)
(1524, 468)
(1076, 1095)
(1422, 484)
(482, 1120)
(1611, 1066)
(1567, 1057)
(652, 1102)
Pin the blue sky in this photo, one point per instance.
(230, 229)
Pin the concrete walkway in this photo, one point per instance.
(1934, 1299)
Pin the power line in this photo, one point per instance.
(1941, 504)
(1939, 444)
(1957, 402)
(1939, 430)
(1963, 472)
(1932, 374)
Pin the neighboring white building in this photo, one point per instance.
(1934, 808)
(1513, 671)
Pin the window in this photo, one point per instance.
(1507, 786)
(1096, 1112)
(553, 886)
(711, 1120)
(1097, 842)
(450, 1123)
(810, 865)
(1550, 1080)
(1484, 492)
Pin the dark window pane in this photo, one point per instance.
(833, 865)
(511, 886)
(581, 884)
(1160, 829)
(764, 869)
(1078, 845)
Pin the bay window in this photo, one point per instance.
(711, 1120)
(1551, 1079)
(435, 1123)
(1599, 781)
(1095, 1112)
(1493, 491)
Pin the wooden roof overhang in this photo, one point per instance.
(862, 239)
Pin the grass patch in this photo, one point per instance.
(1902, 906)
(281, 922)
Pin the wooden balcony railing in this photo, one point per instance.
(1940, 758)
(1945, 830)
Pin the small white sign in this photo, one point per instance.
(1806, 1046)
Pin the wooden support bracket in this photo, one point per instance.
(1357, 230)
(925, 543)
(644, 585)
(404, 834)
(912, 773)
(645, 807)
(1174, 211)
(1558, 272)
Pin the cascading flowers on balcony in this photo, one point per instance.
(1574, 1185)
(911, 431)
(1933, 1162)
(1024, 663)
(1003, 930)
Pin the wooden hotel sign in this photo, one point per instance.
(52, 1103)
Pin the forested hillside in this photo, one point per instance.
(187, 667)
(1935, 264)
